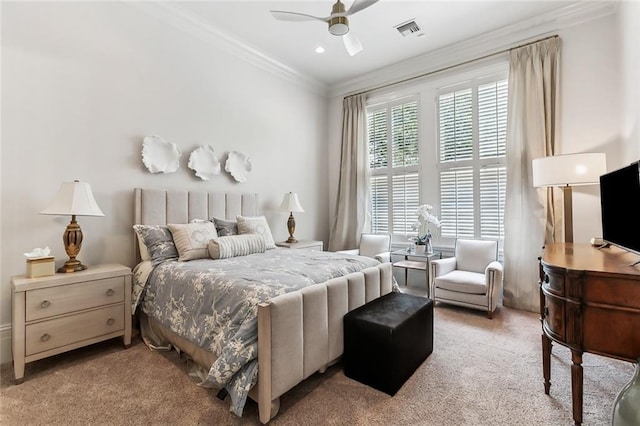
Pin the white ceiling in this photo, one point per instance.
(293, 44)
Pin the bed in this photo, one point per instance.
(299, 327)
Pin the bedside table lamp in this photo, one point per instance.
(565, 171)
(75, 199)
(291, 204)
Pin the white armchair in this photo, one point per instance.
(377, 246)
(472, 278)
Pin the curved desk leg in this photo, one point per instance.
(576, 386)
(546, 362)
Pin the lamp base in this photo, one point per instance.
(72, 239)
(291, 226)
(72, 266)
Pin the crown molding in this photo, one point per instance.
(195, 27)
(489, 43)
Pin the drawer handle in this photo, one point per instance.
(45, 337)
(111, 321)
(111, 292)
(546, 278)
(546, 311)
(45, 304)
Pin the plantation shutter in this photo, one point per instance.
(393, 160)
(493, 181)
(492, 119)
(456, 203)
(492, 132)
(472, 163)
(456, 126)
(380, 204)
(377, 131)
(406, 199)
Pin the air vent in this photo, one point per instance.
(409, 28)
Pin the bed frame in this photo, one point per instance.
(299, 333)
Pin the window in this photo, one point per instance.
(472, 122)
(393, 161)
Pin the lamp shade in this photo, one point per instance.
(74, 198)
(291, 203)
(569, 170)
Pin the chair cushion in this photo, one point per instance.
(462, 282)
(371, 245)
(475, 255)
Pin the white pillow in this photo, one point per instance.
(256, 225)
(191, 239)
(236, 245)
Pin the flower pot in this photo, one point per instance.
(420, 248)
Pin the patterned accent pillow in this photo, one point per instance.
(225, 227)
(236, 245)
(256, 225)
(158, 242)
(191, 239)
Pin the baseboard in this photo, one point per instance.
(5, 344)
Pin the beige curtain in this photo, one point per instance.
(531, 133)
(351, 216)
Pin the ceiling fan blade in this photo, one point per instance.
(295, 17)
(358, 5)
(352, 44)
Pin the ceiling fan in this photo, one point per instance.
(338, 21)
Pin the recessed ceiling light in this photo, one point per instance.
(319, 49)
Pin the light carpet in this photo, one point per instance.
(481, 372)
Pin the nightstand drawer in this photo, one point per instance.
(46, 335)
(47, 302)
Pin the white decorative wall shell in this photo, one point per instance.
(238, 165)
(204, 162)
(160, 156)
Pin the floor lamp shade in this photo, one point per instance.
(566, 171)
(291, 204)
(73, 199)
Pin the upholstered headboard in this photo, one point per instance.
(162, 206)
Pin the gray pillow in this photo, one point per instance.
(159, 242)
(225, 227)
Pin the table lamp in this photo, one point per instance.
(566, 171)
(291, 204)
(75, 199)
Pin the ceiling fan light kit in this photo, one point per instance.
(340, 27)
(337, 21)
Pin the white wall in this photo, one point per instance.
(83, 83)
(591, 109)
(590, 113)
(628, 15)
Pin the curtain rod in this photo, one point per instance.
(489, 55)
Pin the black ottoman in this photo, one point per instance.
(386, 339)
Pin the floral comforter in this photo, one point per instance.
(214, 303)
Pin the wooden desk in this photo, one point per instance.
(589, 302)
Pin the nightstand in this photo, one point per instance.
(302, 245)
(55, 314)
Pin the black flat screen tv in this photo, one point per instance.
(620, 207)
